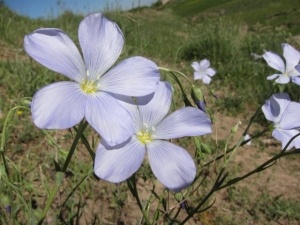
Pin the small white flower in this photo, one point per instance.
(203, 71)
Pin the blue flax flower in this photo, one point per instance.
(285, 115)
(287, 69)
(171, 164)
(90, 94)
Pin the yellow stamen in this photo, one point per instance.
(89, 87)
(144, 137)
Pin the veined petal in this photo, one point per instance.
(171, 164)
(291, 117)
(112, 121)
(135, 76)
(284, 136)
(291, 55)
(187, 121)
(101, 41)
(204, 64)
(153, 112)
(55, 50)
(275, 107)
(282, 79)
(116, 164)
(210, 71)
(274, 61)
(196, 66)
(58, 106)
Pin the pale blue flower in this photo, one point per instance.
(287, 69)
(171, 164)
(285, 115)
(203, 71)
(89, 95)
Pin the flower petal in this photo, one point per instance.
(291, 117)
(101, 41)
(206, 79)
(210, 71)
(282, 79)
(284, 136)
(112, 121)
(271, 77)
(198, 75)
(291, 55)
(171, 164)
(187, 121)
(55, 50)
(204, 64)
(196, 66)
(158, 107)
(58, 106)
(116, 164)
(274, 61)
(135, 76)
(296, 80)
(275, 107)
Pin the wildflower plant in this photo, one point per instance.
(131, 109)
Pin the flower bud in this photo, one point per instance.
(198, 98)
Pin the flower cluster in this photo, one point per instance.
(126, 104)
(284, 113)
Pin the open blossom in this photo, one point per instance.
(285, 115)
(287, 70)
(171, 164)
(90, 94)
(203, 71)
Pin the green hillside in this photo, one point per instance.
(266, 12)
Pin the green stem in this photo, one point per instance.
(53, 193)
(182, 74)
(131, 183)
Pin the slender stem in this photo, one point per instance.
(131, 183)
(182, 74)
(54, 191)
(262, 167)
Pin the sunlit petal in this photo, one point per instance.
(58, 106)
(55, 50)
(159, 106)
(196, 66)
(116, 164)
(188, 121)
(135, 76)
(291, 55)
(206, 79)
(112, 121)
(171, 164)
(275, 107)
(101, 41)
(284, 136)
(204, 64)
(274, 61)
(291, 117)
(210, 71)
(283, 79)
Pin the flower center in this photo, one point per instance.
(89, 86)
(144, 137)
